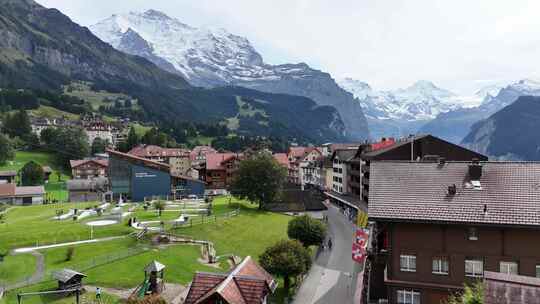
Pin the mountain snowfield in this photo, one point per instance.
(421, 101)
(212, 58)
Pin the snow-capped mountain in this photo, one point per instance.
(210, 58)
(420, 101)
(455, 125)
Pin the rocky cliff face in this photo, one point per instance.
(511, 133)
(212, 58)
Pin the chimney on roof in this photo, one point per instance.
(475, 170)
(442, 161)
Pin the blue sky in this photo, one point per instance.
(461, 45)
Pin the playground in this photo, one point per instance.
(113, 246)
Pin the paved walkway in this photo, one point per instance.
(30, 249)
(329, 280)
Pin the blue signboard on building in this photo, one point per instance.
(148, 182)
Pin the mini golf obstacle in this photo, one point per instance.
(69, 282)
(153, 281)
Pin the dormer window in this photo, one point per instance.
(472, 234)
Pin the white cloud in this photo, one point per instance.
(388, 43)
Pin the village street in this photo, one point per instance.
(329, 280)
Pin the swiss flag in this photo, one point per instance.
(361, 237)
(359, 253)
(359, 245)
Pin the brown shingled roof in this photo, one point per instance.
(248, 283)
(418, 191)
(77, 162)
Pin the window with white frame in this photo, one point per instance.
(538, 270)
(440, 265)
(408, 296)
(508, 267)
(407, 262)
(474, 268)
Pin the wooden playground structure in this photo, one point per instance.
(153, 281)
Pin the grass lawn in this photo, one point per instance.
(22, 157)
(180, 262)
(56, 186)
(247, 234)
(15, 268)
(33, 225)
(11, 296)
(50, 112)
(55, 258)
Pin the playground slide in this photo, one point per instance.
(144, 288)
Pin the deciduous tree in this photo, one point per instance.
(259, 179)
(472, 294)
(307, 230)
(32, 174)
(286, 259)
(6, 149)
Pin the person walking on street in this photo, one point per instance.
(98, 294)
(329, 243)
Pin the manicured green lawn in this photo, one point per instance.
(87, 297)
(33, 225)
(247, 234)
(18, 267)
(55, 258)
(22, 157)
(180, 262)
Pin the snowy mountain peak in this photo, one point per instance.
(423, 85)
(151, 13)
(188, 49)
(358, 88)
(422, 100)
(214, 57)
(526, 85)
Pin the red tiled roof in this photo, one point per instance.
(148, 151)
(214, 161)
(282, 159)
(7, 190)
(201, 150)
(500, 288)
(297, 151)
(203, 283)
(248, 283)
(418, 191)
(79, 162)
(383, 144)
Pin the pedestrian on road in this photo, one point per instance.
(98, 294)
(329, 243)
